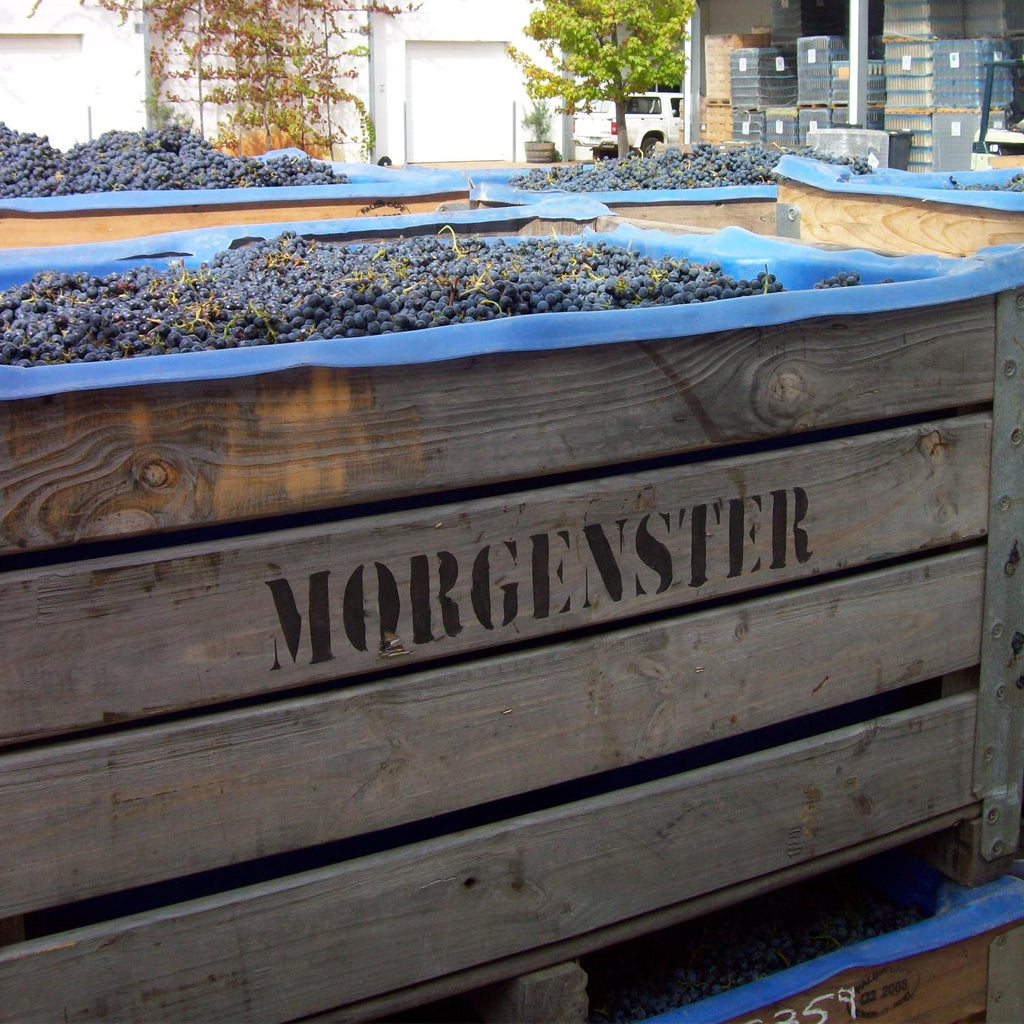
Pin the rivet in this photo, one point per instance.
(1004, 503)
(997, 997)
(791, 214)
(1001, 941)
(997, 631)
(993, 815)
(1016, 436)
(1000, 693)
(1020, 301)
(1010, 568)
(1009, 367)
(989, 753)
(997, 847)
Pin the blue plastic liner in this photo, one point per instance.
(928, 187)
(959, 913)
(494, 191)
(368, 182)
(923, 280)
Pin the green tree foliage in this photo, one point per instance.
(276, 67)
(604, 49)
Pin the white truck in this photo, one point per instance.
(651, 117)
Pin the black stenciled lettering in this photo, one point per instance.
(541, 573)
(353, 613)
(752, 532)
(448, 576)
(803, 552)
(604, 559)
(419, 599)
(736, 517)
(480, 591)
(510, 608)
(780, 532)
(291, 620)
(698, 545)
(389, 605)
(655, 555)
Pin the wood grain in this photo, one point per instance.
(234, 618)
(897, 224)
(300, 945)
(171, 800)
(92, 464)
(25, 230)
(756, 215)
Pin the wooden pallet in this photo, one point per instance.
(252, 625)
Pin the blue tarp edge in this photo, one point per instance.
(928, 187)
(499, 192)
(917, 281)
(964, 913)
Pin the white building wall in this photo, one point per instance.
(442, 88)
(70, 72)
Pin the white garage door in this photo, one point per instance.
(459, 102)
(41, 86)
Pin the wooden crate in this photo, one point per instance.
(718, 122)
(717, 49)
(348, 688)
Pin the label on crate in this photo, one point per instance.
(998, 55)
(812, 56)
(780, 63)
(954, 129)
(886, 989)
(906, 61)
(745, 128)
(954, 60)
(743, 63)
(778, 127)
(812, 126)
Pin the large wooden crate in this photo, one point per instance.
(352, 687)
(917, 216)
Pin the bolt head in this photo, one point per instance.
(993, 815)
(1004, 503)
(1010, 367)
(997, 847)
(997, 631)
(1016, 436)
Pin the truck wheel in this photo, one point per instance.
(647, 146)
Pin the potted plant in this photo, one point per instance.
(537, 122)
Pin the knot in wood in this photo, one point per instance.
(157, 474)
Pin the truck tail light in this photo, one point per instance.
(615, 128)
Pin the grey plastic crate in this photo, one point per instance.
(960, 66)
(910, 74)
(813, 118)
(761, 77)
(874, 117)
(953, 135)
(924, 19)
(748, 125)
(815, 56)
(841, 82)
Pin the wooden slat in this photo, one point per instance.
(282, 949)
(757, 215)
(229, 619)
(91, 464)
(942, 986)
(19, 229)
(171, 800)
(897, 224)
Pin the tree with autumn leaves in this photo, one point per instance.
(282, 70)
(604, 50)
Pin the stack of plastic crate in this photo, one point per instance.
(815, 57)
(960, 66)
(760, 77)
(748, 125)
(782, 127)
(911, 31)
(791, 19)
(993, 18)
(717, 74)
(811, 119)
(876, 83)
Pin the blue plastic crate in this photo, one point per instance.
(954, 913)
(960, 66)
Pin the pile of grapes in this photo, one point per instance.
(732, 947)
(1014, 184)
(706, 166)
(291, 289)
(165, 158)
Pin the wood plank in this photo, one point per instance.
(556, 994)
(229, 619)
(300, 945)
(756, 215)
(957, 854)
(899, 224)
(19, 229)
(108, 463)
(175, 799)
(941, 986)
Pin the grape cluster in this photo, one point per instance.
(1014, 184)
(843, 279)
(706, 166)
(166, 158)
(655, 974)
(292, 288)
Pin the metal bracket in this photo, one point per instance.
(1006, 978)
(999, 745)
(787, 220)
